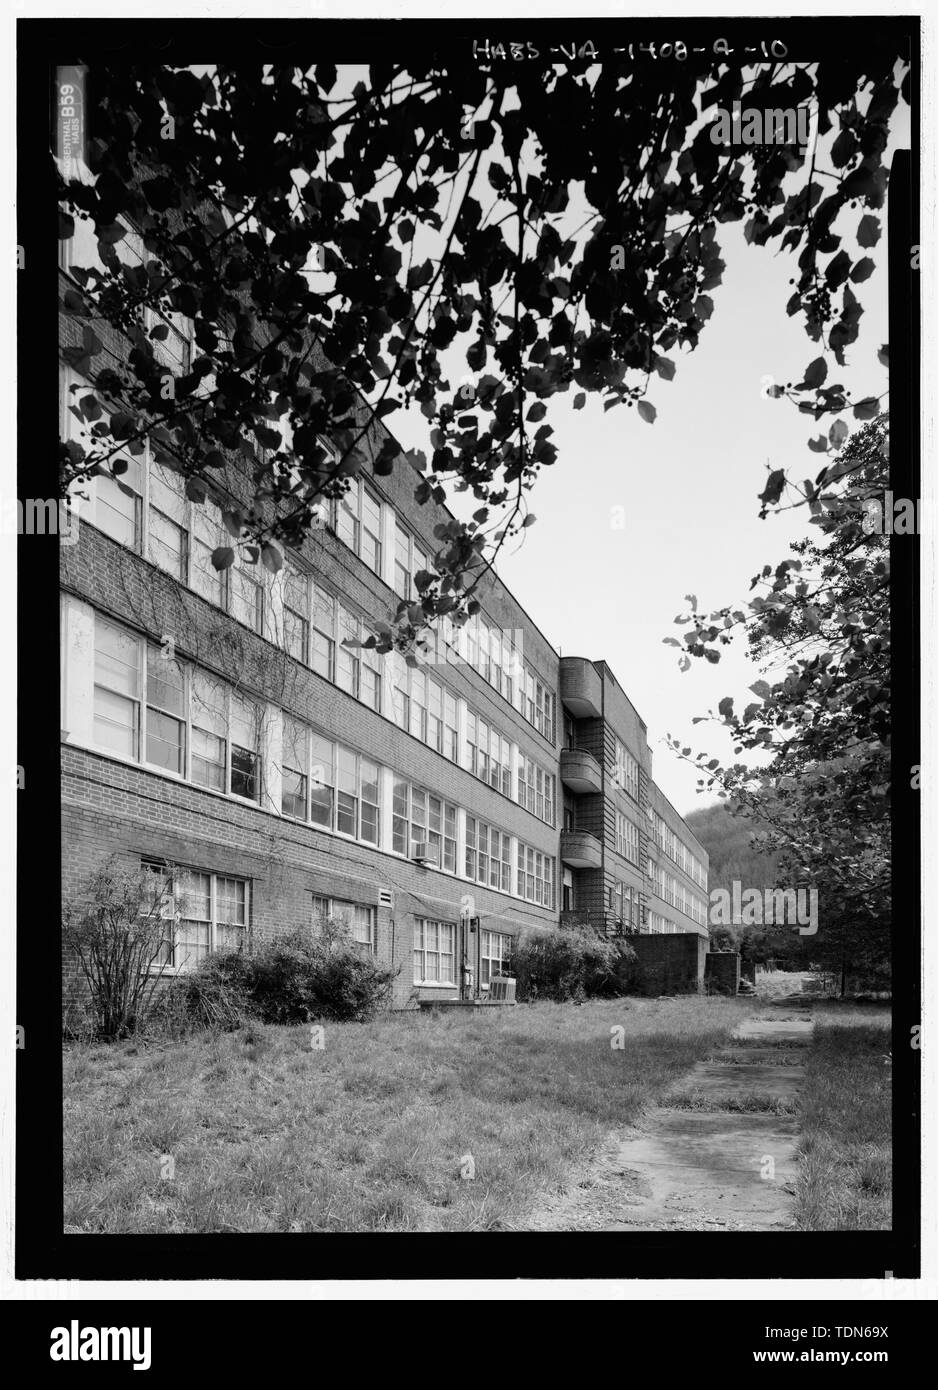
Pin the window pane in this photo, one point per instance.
(294, 794)
(167, 545)
(166, 741)
(116, 659)
(117, 513)
(115, 723)
(244, 766)
(208, 759)
(166, 685)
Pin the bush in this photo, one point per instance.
(302, 976)
(215, 996)
(114, 929)
(563, 963)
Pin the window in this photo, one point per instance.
(488, 855)
(201, 912)
(348, 663)
(168, 519)
(296, 615)
(245, 759)
(535, 876)
(409, 560)
(322, 780)
(357, 918)
(625, 770)
(207, 536)
(294, 772)
(324, 611)
(626, 837)
(154, 709)
(494, 952)
(434, 952)
(209, 716)
(247, 594)
(534, 700)
(536, 790)
(370, 678)
(117, 662)
(450, 728)
(166, 712)
(358, 523)
(423, 819)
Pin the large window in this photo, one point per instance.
(421, 819)
(295, 770)
(625, 905)
(154, 709)
(296, 611)
(342, 785)
(434, 952)
(247, 593)
(488, 754)
(166, 711)
(358, 918)
(358, 523)
(536, 790)
(409, 559)
(117, 668)
(202, 913)
(625, 770)
(535, 876)
(168, 523)
(488, 855)
(495, 950)
(535, 701)
(626, 837)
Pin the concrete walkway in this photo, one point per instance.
(719, 1153)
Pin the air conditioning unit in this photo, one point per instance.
(424, 853)
(501, 990)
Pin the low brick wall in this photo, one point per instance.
(669, 964)
(722, 972)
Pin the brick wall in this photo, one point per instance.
(669, 964)
(111, 807)
(722, 972)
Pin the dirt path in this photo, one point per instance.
(719, 1153)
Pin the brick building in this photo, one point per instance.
(214, 721)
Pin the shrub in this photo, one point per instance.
(215, 996)
(302, 976)
(114, 928)
(563, 963)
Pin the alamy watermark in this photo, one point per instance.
(756, 907)
(754, 126)
(40, 516)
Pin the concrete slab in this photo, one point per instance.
(712, 1079)
(735, 1170)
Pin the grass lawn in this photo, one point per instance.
(260, 1131)
(845, 1182)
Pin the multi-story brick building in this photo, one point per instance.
(215, 722)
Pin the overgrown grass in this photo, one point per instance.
(845, 1180)
(260, 1131)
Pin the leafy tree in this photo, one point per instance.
(555, 229)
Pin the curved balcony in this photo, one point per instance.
(580, 771)
(581, 687)
(580, 850)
